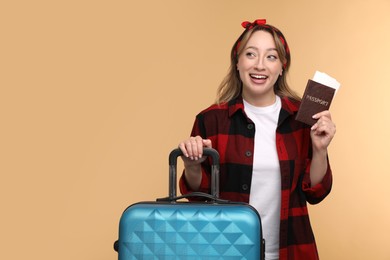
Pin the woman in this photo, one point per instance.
(267, 158)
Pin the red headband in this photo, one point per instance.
(249, 25)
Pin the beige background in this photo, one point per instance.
(95, 94)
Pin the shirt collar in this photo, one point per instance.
(235, 105)
(288, 105)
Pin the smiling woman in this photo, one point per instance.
(268, 159)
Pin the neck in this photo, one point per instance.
(261, 100)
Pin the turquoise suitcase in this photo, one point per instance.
(172, 229)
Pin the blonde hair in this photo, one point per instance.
(231, 85)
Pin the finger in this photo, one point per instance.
(191, 147)
(183, 149)
(207, 143)
(186, 148)
(324, 128)
(194, 147)
(199, 147)
(324, 119)
(324, 113)
(319, 127)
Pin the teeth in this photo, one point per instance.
(259, 76)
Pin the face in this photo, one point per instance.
(259, 67)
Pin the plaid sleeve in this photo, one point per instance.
(204, 185)
(318, 192)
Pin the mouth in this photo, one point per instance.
(258, 76)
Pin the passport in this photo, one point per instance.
(318, 96)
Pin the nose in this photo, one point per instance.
(259, 64)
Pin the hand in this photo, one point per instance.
(192, 149)
(323, 131)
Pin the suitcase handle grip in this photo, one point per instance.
(214, 172)
(195, 194)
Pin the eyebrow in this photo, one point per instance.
(269, 49)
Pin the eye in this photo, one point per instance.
(250, 54)
(272, 57)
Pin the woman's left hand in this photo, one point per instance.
(323, 131)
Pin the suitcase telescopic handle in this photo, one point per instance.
(210, 152)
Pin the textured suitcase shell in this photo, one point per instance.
(189, 231)
(168, 229)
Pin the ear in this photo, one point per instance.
(281, 73)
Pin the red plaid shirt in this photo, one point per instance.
(232, 134)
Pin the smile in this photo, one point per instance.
(256, 76)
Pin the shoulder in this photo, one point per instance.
(213, 113)
(290, 105)
(215, 108)
(220, 116)
(287, 117)
(225, 108)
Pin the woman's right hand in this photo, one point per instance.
(192, 149)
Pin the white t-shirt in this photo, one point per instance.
(265, 194)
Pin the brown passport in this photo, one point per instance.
(316, 98)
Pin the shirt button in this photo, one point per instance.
(248, 153)
(250, 126)
(244, 187)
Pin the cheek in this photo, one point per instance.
(240, 74)
(242, 66)
(241, 63)
(277, 69)
(238, 65)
